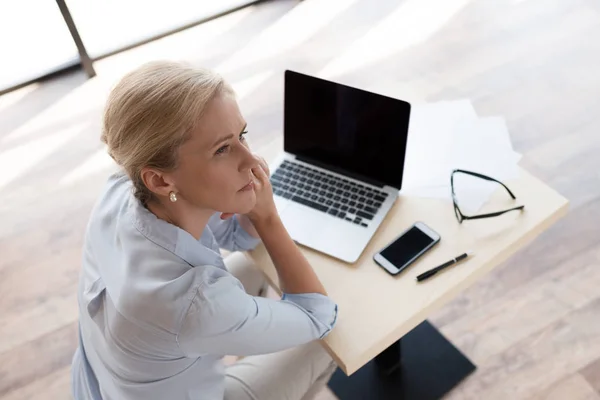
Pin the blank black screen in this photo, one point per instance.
(406, 247)
(346, 128)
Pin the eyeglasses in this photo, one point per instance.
(459, 215)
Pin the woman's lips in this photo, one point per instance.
(248, 187)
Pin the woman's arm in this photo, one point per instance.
(295, 273)
(223, 319)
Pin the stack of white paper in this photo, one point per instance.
(447, 135)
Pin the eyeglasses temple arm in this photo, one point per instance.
(487, 178)
(495, 214)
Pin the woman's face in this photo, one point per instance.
(214, 163)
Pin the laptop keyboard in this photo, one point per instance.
(327, 193)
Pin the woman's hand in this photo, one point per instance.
(265, 205)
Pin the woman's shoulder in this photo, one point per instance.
(134, 258)
(152, 269)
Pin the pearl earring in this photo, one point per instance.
(173, 197)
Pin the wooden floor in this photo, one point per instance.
(532, 326)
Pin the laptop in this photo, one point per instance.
(341, 169)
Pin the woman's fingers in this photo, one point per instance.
(259, 175)
(264, 165)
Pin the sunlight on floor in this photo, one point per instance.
(289, 31)
(97, 162)
(246, 86)
(20, 159)
(8, 99)
(412, 23)
(80, 104)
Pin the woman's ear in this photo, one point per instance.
(157, 182)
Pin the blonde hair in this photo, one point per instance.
(150, 113)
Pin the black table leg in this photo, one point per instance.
(389, 361)
(423, 365)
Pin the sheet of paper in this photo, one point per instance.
(431, 133)
(484, 146)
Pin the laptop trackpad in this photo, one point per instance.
(304, 225)
(281, 204)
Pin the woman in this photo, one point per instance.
(159, 307)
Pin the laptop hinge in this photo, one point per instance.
(341, 171)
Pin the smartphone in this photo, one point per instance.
(406, 248)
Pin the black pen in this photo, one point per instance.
(435, 270)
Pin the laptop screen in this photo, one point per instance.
(345, 129)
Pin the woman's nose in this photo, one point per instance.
(249, 161)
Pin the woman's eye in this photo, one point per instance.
(222, 150)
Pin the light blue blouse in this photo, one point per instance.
(158, 309)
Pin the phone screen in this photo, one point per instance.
(406, 247)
